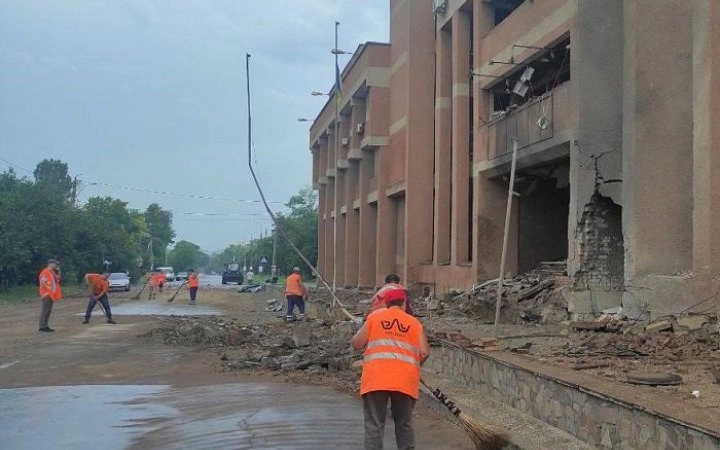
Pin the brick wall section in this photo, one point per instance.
(591, 417)
(599, 245)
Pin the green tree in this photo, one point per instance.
(300, 224)
(187, 255)
(159, 227)
(52, 175)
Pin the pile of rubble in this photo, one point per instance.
(310, 346)
(532, 297)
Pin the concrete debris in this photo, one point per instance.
(309, 346)
(531, 297)
(661, 325)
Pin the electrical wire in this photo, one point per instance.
(278, 226)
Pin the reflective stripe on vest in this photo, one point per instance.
(393, 356)
(393, 343)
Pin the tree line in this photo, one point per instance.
(39, 219)
(300, 224)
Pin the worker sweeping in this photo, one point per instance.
(395, 346)
(193, 285)
(159, 280)
(99, 287)
(295, 293)
(50, 292)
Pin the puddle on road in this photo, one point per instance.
(156, 308)
(239, 416)
(77, 417)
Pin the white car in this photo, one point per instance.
(119, 282)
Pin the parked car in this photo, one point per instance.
(119, 281)
(181, 276)
(168, 271)
(232, 274)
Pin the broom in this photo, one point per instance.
(177, 292)
(137, 296)
(483, 436)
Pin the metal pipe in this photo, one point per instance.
(503, 258)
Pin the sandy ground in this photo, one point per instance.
(115, 355)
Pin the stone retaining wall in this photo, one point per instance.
(601, 421)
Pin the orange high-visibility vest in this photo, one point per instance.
(49, 285)
(293, 286)
(193, 280)
(392, 355)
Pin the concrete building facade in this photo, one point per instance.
(615, 108)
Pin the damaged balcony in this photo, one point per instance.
(543, 127)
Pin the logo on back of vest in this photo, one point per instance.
(388, 325)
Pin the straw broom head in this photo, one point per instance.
(483, 436)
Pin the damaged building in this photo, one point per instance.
(615, 109)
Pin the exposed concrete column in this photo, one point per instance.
(706, 141)
(386, 233)
(443, 147)
(340, 220)
(490, 196)
(596, 73)
(419, 134)
(329, 224)
(352, 218)
(461, 164)
(321, 267)
(657, 138)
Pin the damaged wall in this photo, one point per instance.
(599, 244)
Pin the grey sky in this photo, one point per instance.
(150, 94)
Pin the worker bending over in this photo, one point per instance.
(99, 287)
(395, 346)
(295, 293)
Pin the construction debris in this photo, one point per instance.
(531, 297)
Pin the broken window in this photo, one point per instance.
(503, 8)
(533, 78)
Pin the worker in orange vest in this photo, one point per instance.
(99, 286)
(392, 281)
(50, 292)
(150, 282)
(159, 280)
(395, 346)
(295, 293)
(193, 285)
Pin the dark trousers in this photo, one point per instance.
(193, 294)
(292, 302)
(91, 305)
(375, 406)
(47, 305)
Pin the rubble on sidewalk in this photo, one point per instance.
(531, 297)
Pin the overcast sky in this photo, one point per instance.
(149, 96)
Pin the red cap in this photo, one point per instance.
(394, 294)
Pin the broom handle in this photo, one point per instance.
(443, 399)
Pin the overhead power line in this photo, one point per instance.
(174, 194)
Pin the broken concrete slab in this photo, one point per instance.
(661, 325)
(694, 321)
(302, 335)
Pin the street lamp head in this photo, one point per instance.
(336, 51)
(316, 93)
(302, 119)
